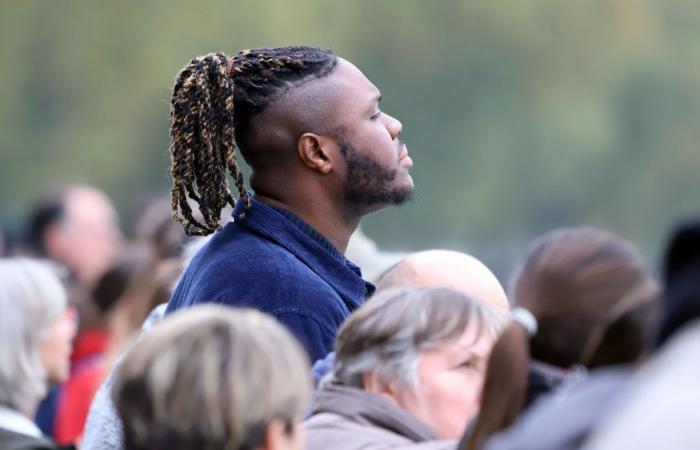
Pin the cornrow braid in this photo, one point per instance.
(213, 96)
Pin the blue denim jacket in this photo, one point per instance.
(273, 261)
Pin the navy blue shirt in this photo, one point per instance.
(273, 261)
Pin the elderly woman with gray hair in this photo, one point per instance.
(408, 373)
(36, 330)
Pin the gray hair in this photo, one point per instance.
(31, 297)
(387, 334)
(210, 376)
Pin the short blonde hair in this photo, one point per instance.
(210, 377)
(31, 297)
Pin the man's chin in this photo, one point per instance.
(374, 201)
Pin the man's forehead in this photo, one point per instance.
(348, 76)
(313, 105)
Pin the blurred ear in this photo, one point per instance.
(279, 437)
(373, 384)
(56, 242)
(315, 152)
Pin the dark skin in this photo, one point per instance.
(302, 168)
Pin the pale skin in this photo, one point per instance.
(450, 379)
(451, 269)
(55, 346)
(88, 238)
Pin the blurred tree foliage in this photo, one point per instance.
(520, 116)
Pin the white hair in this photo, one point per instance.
(31, 297)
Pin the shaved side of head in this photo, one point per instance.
(300, 108)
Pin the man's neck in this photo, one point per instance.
(330, 222)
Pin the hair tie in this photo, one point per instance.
(526, 319)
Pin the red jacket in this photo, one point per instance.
(87, 372)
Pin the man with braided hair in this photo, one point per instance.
(322, 156)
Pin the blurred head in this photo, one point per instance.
(424, 349)
(156, 228)
(450, 269)
(213, 377)
(36, 331)
(135, 283)
(594, 302)
(682, 280)
(78, 228)
(307, 122)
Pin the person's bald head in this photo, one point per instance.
(447, 268)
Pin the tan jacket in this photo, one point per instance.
(346, 418)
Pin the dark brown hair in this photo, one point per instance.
(214, 99)
(588, 290)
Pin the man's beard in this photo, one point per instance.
(368, 183)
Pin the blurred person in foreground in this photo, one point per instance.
(213, 377)
(36, 329)
(584, 300)
(408, 372)
(659, 409)
(323, 155)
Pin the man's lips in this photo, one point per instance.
(403, 153)
(404, 159)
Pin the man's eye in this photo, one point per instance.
(376, 115)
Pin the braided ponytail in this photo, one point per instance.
(203, 151)
(203, 123)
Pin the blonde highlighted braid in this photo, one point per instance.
(215, 95)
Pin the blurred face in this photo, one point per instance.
(88, 238)
(55, 347)
(377, 162)
(450, 379)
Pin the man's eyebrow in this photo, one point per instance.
(378, 97)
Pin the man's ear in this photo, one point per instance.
(315, 152)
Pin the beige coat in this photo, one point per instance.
(346, 418)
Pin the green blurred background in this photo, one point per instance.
(520, 116)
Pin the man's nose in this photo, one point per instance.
(394, 126)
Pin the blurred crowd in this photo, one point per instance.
(585, 349)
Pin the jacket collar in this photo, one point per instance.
(288, 230)
(361, 406)
(14, 421)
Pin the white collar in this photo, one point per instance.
(16, 422)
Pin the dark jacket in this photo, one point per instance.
(542, 379)
(273, 261)
(347, 418)
(563, 419)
